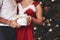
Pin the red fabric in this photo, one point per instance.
(36, 3)
(26, 33)
(18, 1)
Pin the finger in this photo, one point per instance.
(30, 18)
(17, 26)
(17, 17)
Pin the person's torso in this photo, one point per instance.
(29, 10)
(8, 9)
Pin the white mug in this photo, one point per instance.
(22, 21)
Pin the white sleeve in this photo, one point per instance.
(0, 6)
(1, 3)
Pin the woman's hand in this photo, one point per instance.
(29, 19)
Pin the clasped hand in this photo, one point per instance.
(14, 23)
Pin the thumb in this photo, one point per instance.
(29, 17)
(17, 17)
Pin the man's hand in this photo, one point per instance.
(14, 24)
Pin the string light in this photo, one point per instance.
(35, 28)
(39, 38)
(57, 25)
(52, 0)
(50, 30)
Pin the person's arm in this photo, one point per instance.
(4, 21)
(12, 23)
(1, 2)
(39, 16)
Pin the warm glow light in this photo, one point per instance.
(50, 30)
(52, 0)
(35, 28)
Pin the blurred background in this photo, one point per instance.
(50, 29)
